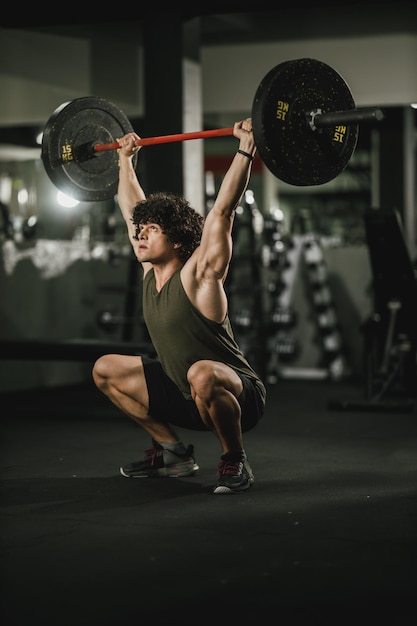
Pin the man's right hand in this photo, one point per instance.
(128, 146)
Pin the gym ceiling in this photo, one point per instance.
(227, 21)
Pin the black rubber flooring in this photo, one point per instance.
(327, 534)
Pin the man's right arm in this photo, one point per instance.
(129, 192)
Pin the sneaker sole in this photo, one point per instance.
(222, 489)
(165, 472)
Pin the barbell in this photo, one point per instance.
(304, 119)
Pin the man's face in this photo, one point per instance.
(153, 245)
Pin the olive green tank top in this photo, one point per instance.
(181, 335)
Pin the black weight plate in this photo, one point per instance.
(288, 146)
(67, 148)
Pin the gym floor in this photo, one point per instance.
(326, 535)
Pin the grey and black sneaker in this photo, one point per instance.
(234, 475)
(159, 462)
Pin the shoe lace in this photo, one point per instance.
(230, 468)
(152, 453)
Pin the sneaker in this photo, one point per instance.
(234, 476)
(160, 462)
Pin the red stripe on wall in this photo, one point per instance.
(220, 163)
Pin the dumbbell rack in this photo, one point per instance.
(326, 316)
(280, 261)
(305, 294)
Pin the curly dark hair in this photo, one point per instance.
(178, 220)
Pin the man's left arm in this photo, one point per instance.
(216, 242)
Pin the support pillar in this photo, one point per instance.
(172, 95)
(397, 169)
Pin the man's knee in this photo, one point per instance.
(100, 370)
(104, 369)
(118, 370)
(201, 373)
(210, 378)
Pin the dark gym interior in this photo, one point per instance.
(323, 299)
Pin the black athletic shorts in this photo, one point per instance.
(167, 403)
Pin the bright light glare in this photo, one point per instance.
(65, 200)
(277, 215)
(32, 221)
(249, 197)
(22, 196)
